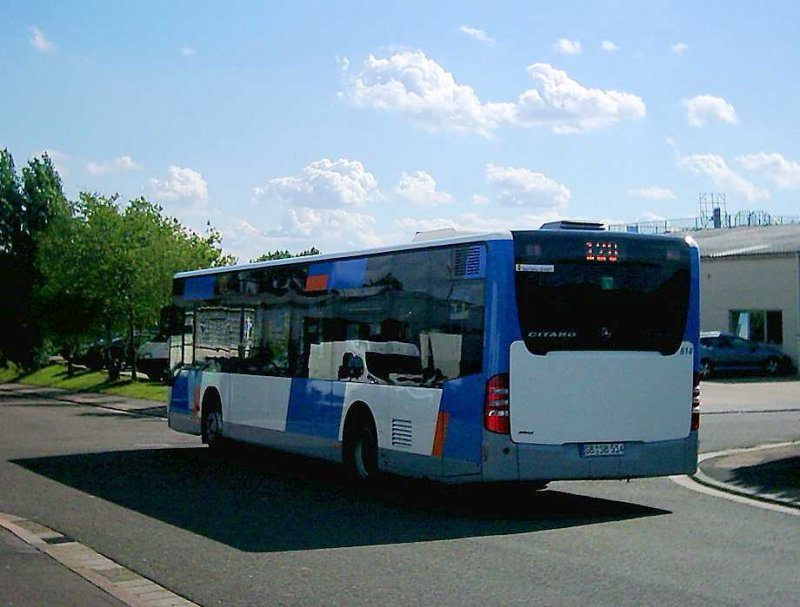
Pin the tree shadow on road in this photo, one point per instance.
(780, 477)
(257, 500)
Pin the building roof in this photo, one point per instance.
(748, 241)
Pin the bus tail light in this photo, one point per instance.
(496, 414)
(696, 402)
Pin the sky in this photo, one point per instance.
(347, 125)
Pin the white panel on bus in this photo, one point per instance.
(406, 416)
(261, 401)
(568, 397)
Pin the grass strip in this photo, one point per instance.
(83, 380)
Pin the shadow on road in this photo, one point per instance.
(780, 477)
(257, 500)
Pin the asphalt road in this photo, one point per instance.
(260, 528)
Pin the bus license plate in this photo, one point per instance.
(602, 449)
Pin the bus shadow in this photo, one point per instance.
(257, 500)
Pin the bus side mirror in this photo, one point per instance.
(172, 320)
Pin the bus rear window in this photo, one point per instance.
(601, 291)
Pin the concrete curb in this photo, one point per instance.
(118, 581)
(704, 479)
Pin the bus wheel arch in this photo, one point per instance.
(360, 443)
(211, 421)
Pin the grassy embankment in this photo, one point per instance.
(83, 380)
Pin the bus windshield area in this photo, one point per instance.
(601, 291)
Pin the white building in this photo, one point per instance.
(750, 283)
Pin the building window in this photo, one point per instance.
(758, 325)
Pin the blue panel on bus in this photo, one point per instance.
(182, 395)
(320, 269)
(348, 274)
(315, 407)
(345, 274)
(179, 397)
(462, 400)
(502, 325)
(199, 287)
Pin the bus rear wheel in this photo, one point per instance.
(211, 425)
(360, 451)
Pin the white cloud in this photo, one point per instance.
(679, 48)
(117, 165)
(566, 106)
(566, 46)
(653, 193)
(471, 222)
(39, 41)
(187, 51)
(479, 200)
(608, 46)
(327, 229)
(324, 184)
(411, 83)
(519, 187)
(477, 34)
(182, 184)
(784, 173)
(419, 188)
(650, 216)
(716, 169)
(703, 109)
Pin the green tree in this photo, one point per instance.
(28, 204)
(113, 265)
(273, 255)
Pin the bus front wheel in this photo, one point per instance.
(360, 451)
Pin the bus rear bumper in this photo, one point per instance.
(180, 422)
(565, 462)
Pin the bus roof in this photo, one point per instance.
(421, 243)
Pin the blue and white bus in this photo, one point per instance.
(567, 352)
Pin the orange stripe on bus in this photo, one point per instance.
(441, 433)
(317, 283)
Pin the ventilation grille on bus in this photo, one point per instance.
(402, 433)
(468, 262)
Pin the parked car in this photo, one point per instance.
(725, 352)
(95, 355)
(153, 357)
(119, 352)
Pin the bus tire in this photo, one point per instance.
(211, 422)
(360, 449)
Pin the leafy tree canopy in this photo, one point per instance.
(109, 266)
(273, 255)
(28, 205)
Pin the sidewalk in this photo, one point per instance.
(769, 473)
(136, 406)
(29, 578)
(40, 566)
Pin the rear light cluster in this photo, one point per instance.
(696, 402)
(495, 410)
